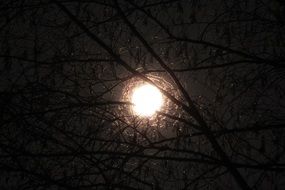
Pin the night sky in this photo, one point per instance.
(69, 70)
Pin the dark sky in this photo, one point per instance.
(68, 67)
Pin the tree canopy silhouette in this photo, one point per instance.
(68, 68)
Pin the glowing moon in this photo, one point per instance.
(147, 99)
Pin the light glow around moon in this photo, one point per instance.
(147, 99)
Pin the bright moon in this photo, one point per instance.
(147, 99)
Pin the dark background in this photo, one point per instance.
(65, 68)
